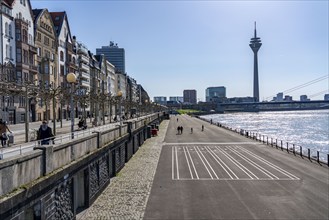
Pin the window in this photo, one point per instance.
(6, 29)
(11, 52)
(26, 77)
(10, 32)
(7, 51)
(62, 70)
(46, 68)
(19, 76)
(25, 57)
(61, 57)
(46, 40)
(24, 37)
(39, 51)
(39, 36)
(18, 34)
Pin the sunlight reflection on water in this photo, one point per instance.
(309, 129)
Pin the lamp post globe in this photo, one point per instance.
(71, 78)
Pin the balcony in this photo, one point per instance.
(84, 75)
(33, 49)
(84, 67)
(84, 59)
(85, 83)
(33, 68)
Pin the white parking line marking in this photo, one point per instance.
(262, 169)
(238, 164)
(271, 164)
(203, 163)
(221, 163)
(177, 164)
(212, 158)
(188, 163)
(196, 173)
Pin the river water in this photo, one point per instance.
(309, 129)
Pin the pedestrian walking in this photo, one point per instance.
(178, 130)
(202, 128)
(3, 132)
(45, 133)
(191, 130)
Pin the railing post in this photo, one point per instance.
(272, 142)
(276, 143)
(301, 151)
(318, 156)
(267, 140)
(328, 159)
(287, 147)
(309, 153)
(281, 145)
(293, 148)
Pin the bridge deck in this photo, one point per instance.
(216, 174)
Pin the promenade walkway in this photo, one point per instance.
(213, 174)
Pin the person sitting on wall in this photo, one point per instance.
(45, 133)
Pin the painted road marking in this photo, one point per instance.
(217, 162)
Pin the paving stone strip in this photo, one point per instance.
(126, 196)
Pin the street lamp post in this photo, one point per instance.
(120, 96)
(71, 78)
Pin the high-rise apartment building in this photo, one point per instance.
(115, 55)
(189, 96)
(215, 94)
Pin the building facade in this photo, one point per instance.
(215, 94)
(162, 100)
(176, 99)
(190, 96)
(115, 55)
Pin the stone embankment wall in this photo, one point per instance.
(55, 181)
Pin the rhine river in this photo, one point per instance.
(309, 129)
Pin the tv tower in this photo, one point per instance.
(255, 44)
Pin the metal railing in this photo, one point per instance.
(304, 152)
(60, 139)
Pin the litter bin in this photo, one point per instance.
(10, 138)
(154, 132)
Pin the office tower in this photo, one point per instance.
(189, 96)
(215, 94)
(114, 55)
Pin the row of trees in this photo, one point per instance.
(101, 106)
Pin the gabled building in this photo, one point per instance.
(66, 54)
(46, 44)
(17, 57)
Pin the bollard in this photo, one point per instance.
(281, 145)
(272, 142)
(309, 153)
(293, 148)
(318, 156)
(287, 147)
(276, 143)
(267, 140)
(301, 151)
(328, 159)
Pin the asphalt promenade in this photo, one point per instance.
(213, 174)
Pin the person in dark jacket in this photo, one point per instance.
(45, 133)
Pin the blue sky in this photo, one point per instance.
(175, 45)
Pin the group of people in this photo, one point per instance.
(180, 130)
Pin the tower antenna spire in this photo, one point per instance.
(255, 30)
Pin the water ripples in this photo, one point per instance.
(308, 129)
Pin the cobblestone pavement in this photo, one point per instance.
(126, 196)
